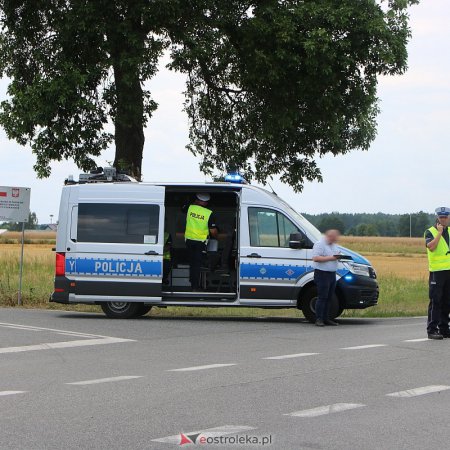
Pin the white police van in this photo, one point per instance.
(112, 233)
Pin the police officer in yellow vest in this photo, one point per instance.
(437, 241)
(200, 224)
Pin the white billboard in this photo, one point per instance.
(14, 204)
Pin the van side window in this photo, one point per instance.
(269, 228)
(117, 223)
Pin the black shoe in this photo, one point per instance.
(445, 334)
(331, 323)
(435, 335)
(319, 323)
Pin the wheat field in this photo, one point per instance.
(401, 265)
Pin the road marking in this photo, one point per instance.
(105, 380)
(210, 366)
(323, 410)
(32, 328)
(416, 340)
(65, 344)
(66, 333)
(4, 393)
(294, 355)
(418, 391)
(361, 347)
(90, 339)
(17, 327)
(192, 436)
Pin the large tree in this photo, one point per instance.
(271, 84)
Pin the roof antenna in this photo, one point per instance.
(273, 192)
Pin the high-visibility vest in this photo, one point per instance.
(438, 259)
(197, 219)
(166, 254)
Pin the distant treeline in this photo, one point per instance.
(379, 224)
(360, 224)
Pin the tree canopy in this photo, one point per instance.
(271, 84)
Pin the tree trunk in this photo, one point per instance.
(129, 120)
(126, 38)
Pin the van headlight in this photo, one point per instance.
(357, 269)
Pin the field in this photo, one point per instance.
(401, 265)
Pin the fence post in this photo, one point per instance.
(19, 296)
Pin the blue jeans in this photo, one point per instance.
(326, 284)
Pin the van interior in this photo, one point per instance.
(219, 268)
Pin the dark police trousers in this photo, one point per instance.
(326, 284)
(439, 307)
(195, 249)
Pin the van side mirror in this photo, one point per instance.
(296, 241)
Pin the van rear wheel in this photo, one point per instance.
(120, 310)
(308, 305)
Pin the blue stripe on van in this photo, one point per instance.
(278, 272)
(113, 267)
(273, 272)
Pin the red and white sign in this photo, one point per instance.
(14, 204)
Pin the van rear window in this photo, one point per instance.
(118, 223)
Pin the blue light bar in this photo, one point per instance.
(235, 177)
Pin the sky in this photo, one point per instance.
(405, 170)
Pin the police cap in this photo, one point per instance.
(442, 211)
(203, 197)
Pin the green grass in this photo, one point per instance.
(398, 297)
(37, 277)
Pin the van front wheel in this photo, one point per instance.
(120, 310)
(308, 305)
(143, 310)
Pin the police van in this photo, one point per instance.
(112, 243)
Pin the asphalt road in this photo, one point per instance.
(81, 381)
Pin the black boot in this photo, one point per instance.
(435, 335)
(331, 323)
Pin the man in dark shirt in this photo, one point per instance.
(437, 242)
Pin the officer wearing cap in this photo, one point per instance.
(437, 242)
(200, 224)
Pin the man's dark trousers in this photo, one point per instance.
(326, 284)
(439, 307)
(195, 249)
